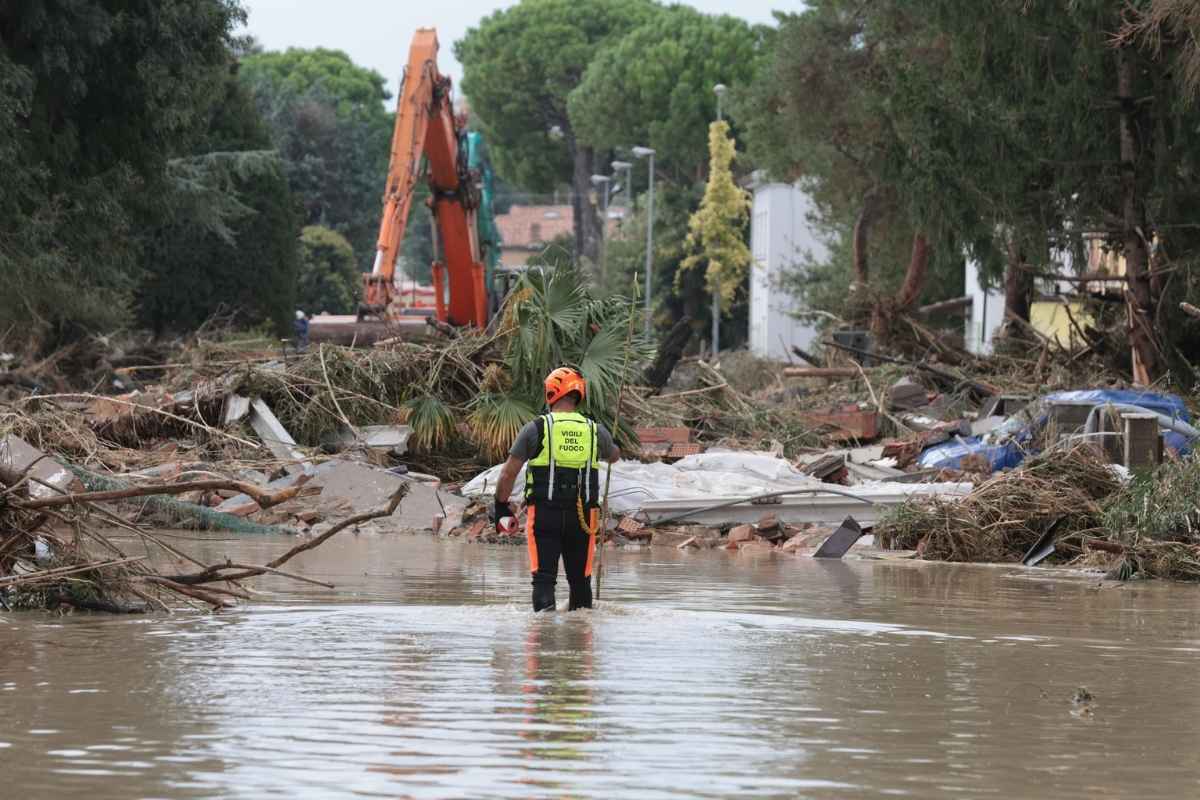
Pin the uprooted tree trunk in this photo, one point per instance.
(587, 221)
(1018, 284)
(669, 352)
(867, 215)
(885, 310)
(1146, 359)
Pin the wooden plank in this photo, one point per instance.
(277, 439)
(820, 372)
(236, 408)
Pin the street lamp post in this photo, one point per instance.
(606, 182)
(647, 152)
(719, 90)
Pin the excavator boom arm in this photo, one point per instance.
(425, 125)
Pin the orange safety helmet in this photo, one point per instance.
(562, 382)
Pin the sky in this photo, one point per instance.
(376, 34)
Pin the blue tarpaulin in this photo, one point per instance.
(1009, 444)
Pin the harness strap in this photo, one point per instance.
(550, 447)
(587, 471)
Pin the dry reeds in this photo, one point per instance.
(1004, 516)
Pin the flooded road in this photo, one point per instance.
(701, 675)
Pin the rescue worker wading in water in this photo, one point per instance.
(562, 489)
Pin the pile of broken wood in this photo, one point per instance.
(59, 542)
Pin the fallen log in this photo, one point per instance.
(978, 387)
(212, 574)
(958, 305)
(1106, 546)
(807, 356)
(820, 372)
(263, 498)
(669, 352)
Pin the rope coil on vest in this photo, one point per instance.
(587, 482)
(583, 523)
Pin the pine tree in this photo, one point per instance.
(717, 231)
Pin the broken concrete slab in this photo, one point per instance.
(364, 488)
(47, 476)
(386, 437)
(277, 439)
(861, 473)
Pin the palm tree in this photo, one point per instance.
(552, 321)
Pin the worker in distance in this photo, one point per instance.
(562, 489)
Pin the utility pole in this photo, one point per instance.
(719, 90)
(647, 152)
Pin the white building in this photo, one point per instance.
(781, 237)
(987, 312)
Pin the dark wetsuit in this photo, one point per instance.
(553, 529)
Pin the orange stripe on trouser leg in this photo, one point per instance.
(530, 541)
(593, 519)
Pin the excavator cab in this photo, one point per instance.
(431, 142)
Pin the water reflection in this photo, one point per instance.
(425, 675)
(557, 687)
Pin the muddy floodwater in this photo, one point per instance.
(700, 675)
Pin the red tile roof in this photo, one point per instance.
(534, 227)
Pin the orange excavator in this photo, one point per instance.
(429, 141)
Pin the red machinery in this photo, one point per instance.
(426, 126)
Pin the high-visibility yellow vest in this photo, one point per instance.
(568, 465)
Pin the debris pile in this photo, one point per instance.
(931, 456)
(1006, 515)
(56, 547)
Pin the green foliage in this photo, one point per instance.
(227, 239)
(717, 231)
(654, 86)
(496, 419)
(433, 423)
(327, 118)
(675, 293)
(519, 66)
(1161, 505)
(247, 265)
(915, 112)
(329, 278)
(95, 98)
(555, 255)
(556, 323)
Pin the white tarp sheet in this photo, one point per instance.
(716, 473)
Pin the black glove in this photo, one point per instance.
(500, 510)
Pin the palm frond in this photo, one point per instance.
(495, 421)
(601, 365)
(432, 423)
